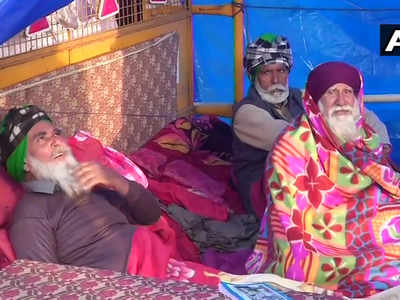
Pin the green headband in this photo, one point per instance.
(255, 74)
(14, 137)
(16, 162)
(269, 37)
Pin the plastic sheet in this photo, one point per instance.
(319, 31)
(214, 62)
(389, 114)
(16, 15)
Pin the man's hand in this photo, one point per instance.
(91, 174)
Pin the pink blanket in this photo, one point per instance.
(182, 171)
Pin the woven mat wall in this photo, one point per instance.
(122, 98)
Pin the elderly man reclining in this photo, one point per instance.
(333, 211)
(83, 214)
(87, 222)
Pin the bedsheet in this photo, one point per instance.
(24, 279)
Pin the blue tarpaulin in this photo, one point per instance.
(16, 15)
(319, 31)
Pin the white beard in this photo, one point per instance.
(58, 172)
(275, 94)
(343, 126)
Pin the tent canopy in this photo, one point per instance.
(16, 15)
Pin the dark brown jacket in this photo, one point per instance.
(96, 231)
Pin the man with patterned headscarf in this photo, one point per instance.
(14, 138)
(71, 213)
(333, 212)
(268, 108)
(258, 119)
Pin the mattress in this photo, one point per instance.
(24, 279)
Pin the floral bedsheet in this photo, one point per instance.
(25, 279)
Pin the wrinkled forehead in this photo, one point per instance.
(273, 66)
(340, 87)
(41, 127)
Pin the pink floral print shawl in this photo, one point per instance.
(333, 213)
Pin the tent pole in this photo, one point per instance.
(239, 51)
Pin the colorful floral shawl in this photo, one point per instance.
(333, 214)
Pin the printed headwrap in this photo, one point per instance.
(268, 49)
(14, 140)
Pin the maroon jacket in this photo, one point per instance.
(96, 231)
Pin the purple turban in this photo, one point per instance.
(328, 74)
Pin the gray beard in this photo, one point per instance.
(60, 173)
(268, 96)
(344, 127)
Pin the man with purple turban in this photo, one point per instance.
(261, 116)
(333, 210)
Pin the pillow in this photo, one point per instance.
(11, 192)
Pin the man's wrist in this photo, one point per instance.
(121, 186)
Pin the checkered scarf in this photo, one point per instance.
(13, 137)
(268, 49)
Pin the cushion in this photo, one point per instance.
(11, 192)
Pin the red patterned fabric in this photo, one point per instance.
(181, 172)
(153, 252)
(171, 192)
(188, 164)
(87, 148)
(25, 279)
(11, 192)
